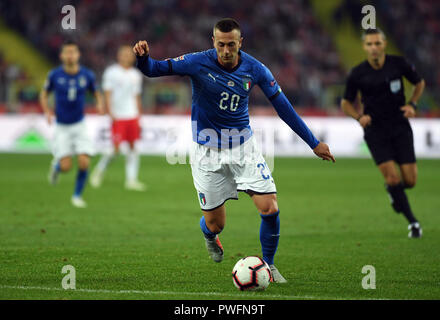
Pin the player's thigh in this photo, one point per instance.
(389, 172)
(265, 203)
(215, 219)
(81, 142)
(133, 132)
(213, 182)
(409, 174)
(117, 134)
(213, 188)
(253, 176)
(403, 144)
(62, 143)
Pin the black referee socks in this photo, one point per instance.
(399, 201)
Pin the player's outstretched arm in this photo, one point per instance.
(148, 66)
(288, 115)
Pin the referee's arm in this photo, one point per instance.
(349, 109)
(409, 110)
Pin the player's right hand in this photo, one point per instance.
(323, 151)
(365, 120)
(141, 48)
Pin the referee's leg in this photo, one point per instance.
(396, 190)
(389, 172)
(409, 174)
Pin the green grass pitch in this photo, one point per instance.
(335, 218)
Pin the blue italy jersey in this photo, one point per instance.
(220, 96)
(70, 93)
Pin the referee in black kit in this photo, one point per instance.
(387, 130)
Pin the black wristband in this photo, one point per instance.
(359, 117)
(413, 105)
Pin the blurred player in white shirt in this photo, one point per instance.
(122, 85)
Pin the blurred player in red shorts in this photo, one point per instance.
(122, 88)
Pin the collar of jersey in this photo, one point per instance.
(69, 74)
(229, 70)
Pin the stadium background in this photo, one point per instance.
(310, 47)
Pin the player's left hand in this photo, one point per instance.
(323, 151)
(408, 111)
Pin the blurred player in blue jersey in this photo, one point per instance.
(222, 79)
(70, 82)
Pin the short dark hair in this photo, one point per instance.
(69, 43)
(227, 25)
(373, 31)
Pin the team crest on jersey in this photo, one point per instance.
(82, 82)
(179, 58)
(202, 198)
(247, 83)
(395, 86)
(231, 83)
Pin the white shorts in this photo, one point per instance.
(71, 139)
(219, 174)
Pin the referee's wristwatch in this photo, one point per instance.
(413, 104)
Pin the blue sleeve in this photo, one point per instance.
(182, 65)
(288, 115)
(267, 82)
(153, 68)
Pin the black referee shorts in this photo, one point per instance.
(396, 143)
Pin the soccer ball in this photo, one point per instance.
(251, 273)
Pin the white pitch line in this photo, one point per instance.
(247, 295)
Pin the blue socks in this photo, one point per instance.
(57, 167)
(81, 178)
(269, 235)
(208, 233)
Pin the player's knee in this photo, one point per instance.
(83, 162)
(392, 179)
(65, 164)
(269, 207)
(410, 183)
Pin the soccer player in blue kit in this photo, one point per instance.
(70, 82)
(221, 82)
